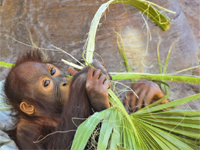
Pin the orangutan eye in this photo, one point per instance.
(53, 71)
(46, 83)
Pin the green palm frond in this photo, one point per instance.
(152, 127)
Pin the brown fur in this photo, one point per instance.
(32, 128)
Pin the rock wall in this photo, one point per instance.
(191, 9)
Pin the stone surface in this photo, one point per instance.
(191, 9)
(65, 24)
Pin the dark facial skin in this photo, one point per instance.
(45, 81)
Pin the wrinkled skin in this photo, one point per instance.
(45, 81)
(97, 85)
(146, 92)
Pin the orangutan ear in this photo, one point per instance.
(27, 108)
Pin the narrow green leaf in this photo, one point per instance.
(106, 129)
(186, 69)
(145, 137)
(122, 51)
(194, 143)
(160, 141)
(115, 140)
(116, 101)
(174, 123)
(88, 126)
(176, 113)
(90, 42)
(158, 56)
(129, 138)
(177, 128)
(7, 65)
(168, 55)
(188, 120)
(120, 148)
(72, 64)
(168, 138)
(165, 77)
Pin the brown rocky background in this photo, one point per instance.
(65, 24)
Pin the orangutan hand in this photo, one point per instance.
(147, 92)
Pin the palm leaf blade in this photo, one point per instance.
(80, 140)
(162, 77)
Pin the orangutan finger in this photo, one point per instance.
(72, 71)
(149, 98)
(107, 84)
(97, 73)
(90, 73)
(134, 98)
(165, 101)
(141, 99)
(102, 78)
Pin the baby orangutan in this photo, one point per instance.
(46, 101)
